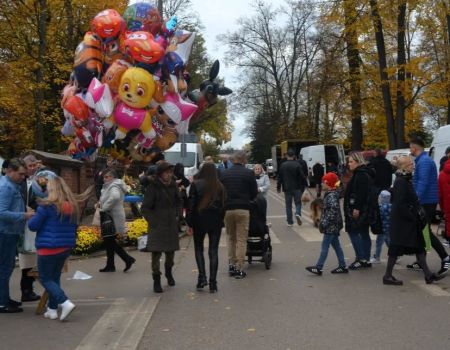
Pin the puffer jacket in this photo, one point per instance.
(52, 230)
(331, 218)
(425, 180)
(12, 207)
(111, 201)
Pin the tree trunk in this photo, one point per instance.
(387, 99)
(353, 58)
(70, 24)
(39, 73)
(401, 62)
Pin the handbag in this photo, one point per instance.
(96, 218)
(107, 227)
(306, 197)
(29, 239)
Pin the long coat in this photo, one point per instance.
(160, 210)
(111, 201)
(404, 230)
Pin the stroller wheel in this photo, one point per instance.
(267, 258)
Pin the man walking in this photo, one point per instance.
(241, 188)
(383, 171)
(426, 186)
(318, 172)
(13, 215)
(293, 182)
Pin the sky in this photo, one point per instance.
(218, 17)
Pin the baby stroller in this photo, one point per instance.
(258, 241)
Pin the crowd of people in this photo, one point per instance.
(37, 201)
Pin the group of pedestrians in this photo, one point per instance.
(400, 215)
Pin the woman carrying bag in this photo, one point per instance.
(112, 220)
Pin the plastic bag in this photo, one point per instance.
(306, 197)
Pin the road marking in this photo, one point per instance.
(309, 234)
(121, 326)
(89, 302)
(432, 289)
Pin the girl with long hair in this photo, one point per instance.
(55, 222)
(205, 216)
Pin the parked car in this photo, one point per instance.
(269, 167)
(250, 166)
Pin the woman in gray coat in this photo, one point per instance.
(161, 200)
(111, 202)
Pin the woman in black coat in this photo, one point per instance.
(356, 210)
(205, 216)
(405, 229)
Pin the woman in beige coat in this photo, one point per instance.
(111, 202)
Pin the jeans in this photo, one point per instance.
(296, 195)
(168, 263)
(236, 224)
(379, 244)
(332, 240)
(8, 246)
(50, 268)
(213, 252)
(361, 242)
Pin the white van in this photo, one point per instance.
(396, 153)
(441, 140)
(269, 167)
(322, 154)
(191, 160)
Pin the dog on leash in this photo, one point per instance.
(316, 207)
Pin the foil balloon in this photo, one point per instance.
(143, 16)
(114, 74)
(88, 60)
(142, 47)
(99, 98)
(136, 91)
(108, 24)
(181, 43)
(179, 111)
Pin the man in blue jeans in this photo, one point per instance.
(292, 180)
(13, 215)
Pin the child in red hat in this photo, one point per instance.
(330, 224)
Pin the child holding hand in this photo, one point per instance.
(330, 224)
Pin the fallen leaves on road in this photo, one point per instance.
(165, 330)
(250, 330)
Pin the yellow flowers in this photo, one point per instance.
(136, 229)
(89, 239)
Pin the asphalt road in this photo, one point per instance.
(281, 308)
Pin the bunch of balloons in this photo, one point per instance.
(128, 92)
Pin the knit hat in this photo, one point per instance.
(162, 167)
(331, 180)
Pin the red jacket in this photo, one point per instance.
(444, 194)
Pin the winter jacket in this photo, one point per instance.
(208, 218)
(12, 207)
(240, 186)
(111, 201)
(160, 209)
(405, 230)
(425, 180)
(52, 231)
(357, 197)
(318, 172)
(331, 219)
(263, 183)
(383, 172)
(444, 193)
(291, 177)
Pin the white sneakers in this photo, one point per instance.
(374, 260)
(51, 314)
(66, 309)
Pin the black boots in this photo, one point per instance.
(201, 282)
(29, 295)
(169, 276)
(212, 286)
(108, 269)
(130, 261)
(157, 283)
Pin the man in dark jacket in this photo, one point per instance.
(383, 170)
(426, 186)
(293, 182)
(318, 172)
(304, 166)
(241, 188)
